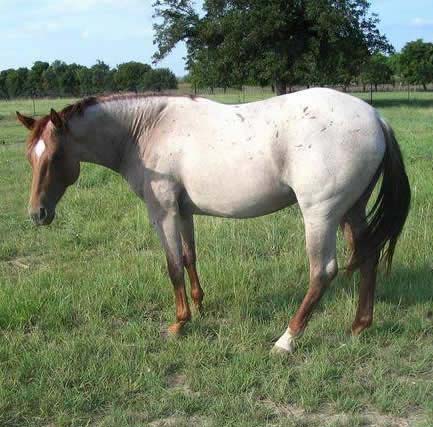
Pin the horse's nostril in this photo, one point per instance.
(42, 213)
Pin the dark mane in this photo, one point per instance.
(80, 106)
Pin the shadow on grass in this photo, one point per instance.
(401, 102)
(406, 287)
(403, 287)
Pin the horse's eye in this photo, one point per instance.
(57, 156)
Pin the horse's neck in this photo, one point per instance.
(109, 132)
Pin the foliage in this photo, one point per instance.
(377, 70)
(416, 62)
(61, 79)
(158, 80)
(130, 75)
(237, 41)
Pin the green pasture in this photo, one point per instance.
(83, 303)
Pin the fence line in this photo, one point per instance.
(254, 93)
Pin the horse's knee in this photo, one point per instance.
(323, 274)
(189, 258)
(175, 271)
(197, 294)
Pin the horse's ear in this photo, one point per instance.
(56, 119)
(28, 122)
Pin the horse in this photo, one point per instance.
(186, 156)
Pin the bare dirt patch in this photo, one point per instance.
(179, 382)
(329, 419)
(178, 421)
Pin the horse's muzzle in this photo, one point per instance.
(42, 216)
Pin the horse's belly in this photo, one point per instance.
(237, 201)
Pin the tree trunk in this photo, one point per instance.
(280, 87)
(424, 86)
(375, 87)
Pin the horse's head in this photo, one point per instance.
(53, 162)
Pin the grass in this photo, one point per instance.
(83, 302)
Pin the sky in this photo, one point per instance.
(117, 31)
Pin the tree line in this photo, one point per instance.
(61, 79)
(413, 65)
(284, 43)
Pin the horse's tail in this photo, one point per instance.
(388, 215)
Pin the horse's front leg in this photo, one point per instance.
(167, 224)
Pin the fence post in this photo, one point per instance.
(33, 102)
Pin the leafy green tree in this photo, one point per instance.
(158, 80)
(84, 76)
(416, 62)
(129, 75)
(52, 78)
(49, 82)
(23, 87)
(377, 70)
(3, 91)
(394, 63)
(35, 78)
(245, 40)
(69, 81)
(102, 79)
(14, 83)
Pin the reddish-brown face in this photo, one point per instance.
(54, 167)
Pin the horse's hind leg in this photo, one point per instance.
(320, 234)
(353, 224)
(189, 259)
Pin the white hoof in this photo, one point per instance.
(280, 351)
(286, 344)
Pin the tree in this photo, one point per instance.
(36, 77)
(102, 79)
(394, 63)
(3, 90)
(243, 40)
(377, 71)
(416, 63)
(12, 84)
(84, 76)
(59, 69)
(69, 81)
(129, 75)
(158, 80)
(49, 81)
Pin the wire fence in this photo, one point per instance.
(370, 93)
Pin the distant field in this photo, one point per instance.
(83, 302)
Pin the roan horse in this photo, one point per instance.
(183, 156)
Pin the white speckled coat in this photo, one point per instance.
(185, 156)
